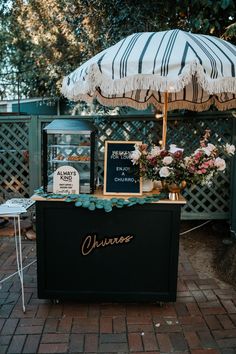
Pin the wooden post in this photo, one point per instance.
(18, 93)
(164, 125)
(34, 155)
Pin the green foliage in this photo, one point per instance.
(42, 40)
(92, 203)
(230, 32)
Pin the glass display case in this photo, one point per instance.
(69, 142)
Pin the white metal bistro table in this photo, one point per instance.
(14, 208)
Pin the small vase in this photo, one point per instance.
(175, 189)
(147, 185)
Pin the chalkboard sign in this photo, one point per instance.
(120, 175)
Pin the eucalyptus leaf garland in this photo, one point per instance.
(92, 203)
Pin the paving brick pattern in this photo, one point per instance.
(202, 321)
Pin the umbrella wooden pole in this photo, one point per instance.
(164, 125)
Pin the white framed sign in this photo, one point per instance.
(66, 180)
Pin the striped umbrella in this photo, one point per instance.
(170, 69)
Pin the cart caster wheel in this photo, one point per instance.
(55, 301)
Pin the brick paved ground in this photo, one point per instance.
(202, 321)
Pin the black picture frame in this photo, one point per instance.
(121, 177)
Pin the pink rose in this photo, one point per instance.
(198, 155)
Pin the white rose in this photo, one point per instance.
(173, 148)
(164, 172)
(230, 149)
(211, 147)
(207, 151)
(220, 164)
(135, 156)
(167, 160)
(155, 151)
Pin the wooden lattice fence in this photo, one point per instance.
(14, 158)
(203, 202)
(21, 147)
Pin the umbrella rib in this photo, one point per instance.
(214, 71)
(186, 48)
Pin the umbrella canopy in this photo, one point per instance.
(170, 69)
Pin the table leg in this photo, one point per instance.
(17, 232)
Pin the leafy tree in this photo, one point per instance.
(45, 39)
(5, 39)
(230, 32)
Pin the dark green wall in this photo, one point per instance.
(37, 107)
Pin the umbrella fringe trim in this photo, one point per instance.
(145, 82)
(194, 106)
(158, 83)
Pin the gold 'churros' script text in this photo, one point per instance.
(90, 243)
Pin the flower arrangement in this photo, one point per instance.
(173, 167)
